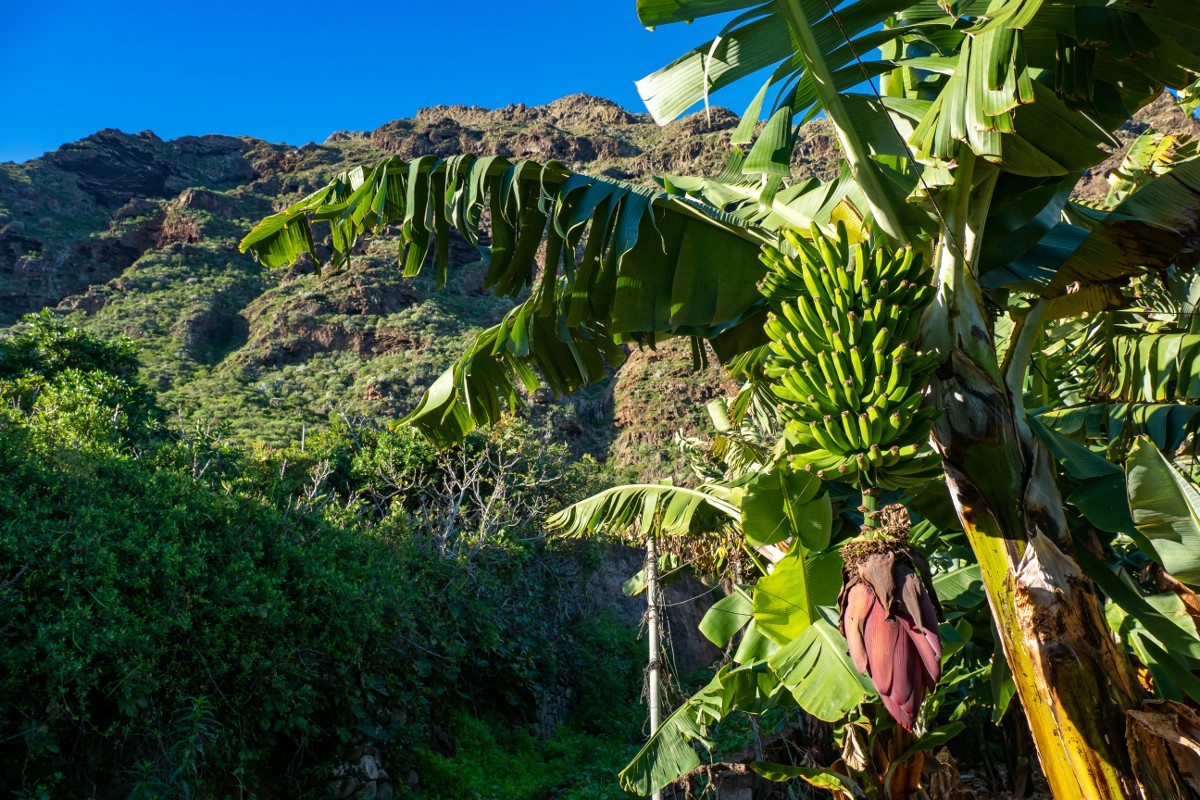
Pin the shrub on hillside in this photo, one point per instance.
(184, 618)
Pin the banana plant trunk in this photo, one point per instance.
(1074, 684)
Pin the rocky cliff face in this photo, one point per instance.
(134, 235)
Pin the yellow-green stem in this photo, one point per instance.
(1072, 682)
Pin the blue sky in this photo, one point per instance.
(294, 72)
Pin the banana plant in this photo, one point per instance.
(788, 651)
(964, 126)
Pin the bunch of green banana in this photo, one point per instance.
(844, 322)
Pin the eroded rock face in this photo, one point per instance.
(82, 215)
(114, 167)
(686, 604)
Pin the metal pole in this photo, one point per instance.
(652, 635)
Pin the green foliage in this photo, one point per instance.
(183, 617)
(45, 348)
(1166, 510)
(495, 760)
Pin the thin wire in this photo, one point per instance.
(687, 600)
(903, 144)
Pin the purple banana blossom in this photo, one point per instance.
(889, 616)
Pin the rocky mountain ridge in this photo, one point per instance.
(130, 234)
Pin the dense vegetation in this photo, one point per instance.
(960, 379)
(184, 618)
(942, 316)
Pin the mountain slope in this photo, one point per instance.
(130, 234)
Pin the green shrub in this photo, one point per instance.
(140, 602)
(180, 617)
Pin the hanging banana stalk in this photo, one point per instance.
(850, 380)
(844, 364)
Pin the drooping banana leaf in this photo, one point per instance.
(821, 778)
(1164, 653)
(1034, 86)
(621, 263)
(820, 59)
(1023, 212)
(726, 617)
(1150, 155)
(817, 671)
(1085, 264)
(1166, 424)
(787, 601)
(677, 509)
(669, 753)
(1156, 226)
(783, 504)
(759, 38)
(1166, 510)
(1148, 368)
(497, 365)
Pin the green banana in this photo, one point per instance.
(854, 328)
(866, 292)
(797, 382)
(851, 413)
(826, 365)
(903, 384)
(787, 393)
(822, 437)
(829, 256)
(835, 430)
(816, 287)
(853, 400)
(837, 345)
(783, 349)
(901, 351)
(897, 377)
(877, 386)
(850, 429)
(892, 425)
(875, 422)
(875, 456)
(898, 292)
(908, 406)
(842, 276)
(868, 329)
(843, 242)
(813, 322)
(860, 264)
(802, 325)
(858, 368)
(817, 458)
(864, 431)
(880, 342)
(810, 371)
(840, 363)
(911, 327)
(802, 434)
